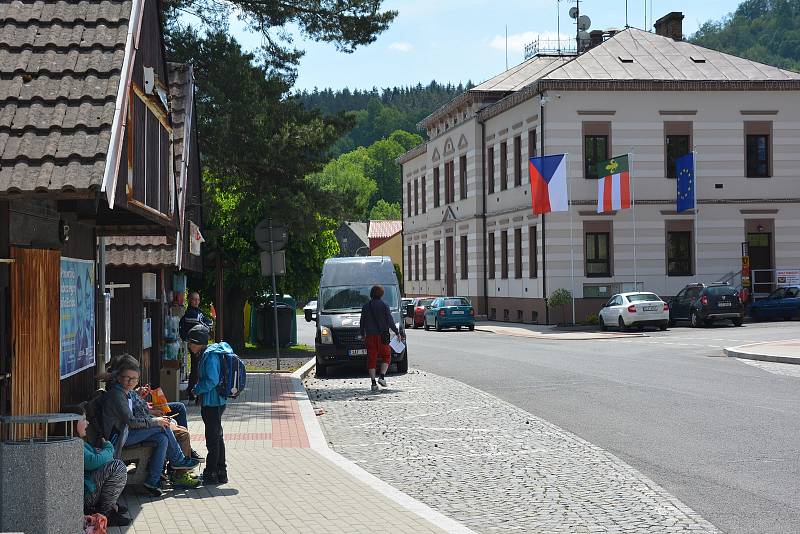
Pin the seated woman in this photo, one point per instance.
(104, 477)
(177, 436)
(118, 420)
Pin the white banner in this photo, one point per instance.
(195, 239)
(787, 277)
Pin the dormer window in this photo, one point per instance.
(698, 59)
(625, 59)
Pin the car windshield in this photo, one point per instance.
(344, 299)
(643, 297)
(456, 302)
(718, 291)
(425, 302)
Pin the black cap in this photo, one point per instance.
(198, 335)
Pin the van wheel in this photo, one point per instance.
(402, 366)
(322, 370)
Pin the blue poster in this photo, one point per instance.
(77, 316)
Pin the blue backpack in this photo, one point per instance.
(232, 376)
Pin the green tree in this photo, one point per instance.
(559, 299)
(345, 23)
(383, 211)
(304, 258)
(346, 185)
(257, 144)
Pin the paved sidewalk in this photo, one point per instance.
(547, 331)
(786, 351)
(283, 478)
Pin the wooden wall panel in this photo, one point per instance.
(35, 282)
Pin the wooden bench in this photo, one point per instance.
(136, 458)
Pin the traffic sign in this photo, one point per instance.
(279, 260)
(279, 235)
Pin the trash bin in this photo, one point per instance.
(285, 316)
(41, 477)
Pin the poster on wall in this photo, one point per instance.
(77, 316)
(787, 277)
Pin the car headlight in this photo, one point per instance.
(326, 336)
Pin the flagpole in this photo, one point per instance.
(571, 238)
(633, 210)
(696, 226)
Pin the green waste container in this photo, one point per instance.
(287, 322)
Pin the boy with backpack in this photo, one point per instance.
(221, 375)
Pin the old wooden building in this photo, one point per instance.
(85, 152)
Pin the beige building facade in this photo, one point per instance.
(469, 228)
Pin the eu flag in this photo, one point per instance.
(684, 167)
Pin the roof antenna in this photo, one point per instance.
(506, 46)
(626, 15)
(558, 27)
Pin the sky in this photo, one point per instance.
(462, 40)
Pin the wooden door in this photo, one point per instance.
(35, 331)
(449, 270)
(759, 247)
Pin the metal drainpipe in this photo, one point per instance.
(483, 217)
(544, 233)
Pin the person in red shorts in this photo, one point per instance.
(376, 320)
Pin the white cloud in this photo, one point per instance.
(517, 41)
(401, 47)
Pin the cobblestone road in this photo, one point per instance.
(487, 463)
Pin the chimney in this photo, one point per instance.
(670, 25)
(595, 38)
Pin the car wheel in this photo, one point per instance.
(415, 326)
(787, 317)
(755, 315)
(621, 324)
(438, 326)
(425, 324)
(671, 322)
(737, 322)
(708, 323)
(322, 370)
(663, 326)
(694, 320)
(471, 327)
(402, 365)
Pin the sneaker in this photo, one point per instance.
(116, 519)
(185, 464)
(185, 480)
(122, 509)
(374, 386)
(209, 479)
(154, 491)
(382, 381)
(195, 455)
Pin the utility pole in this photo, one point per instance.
(274, 298)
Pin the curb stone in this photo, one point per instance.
(319, 444)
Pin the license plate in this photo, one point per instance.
(357, 352)
(650, 308)
(457, 312)
(724, 304)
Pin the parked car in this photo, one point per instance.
(408, 318)
(416, 311)
(706, 303)
(449, 312)
(783, 303)
(638, 308)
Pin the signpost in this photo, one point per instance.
(271, 238)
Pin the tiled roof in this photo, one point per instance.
(523, 74)
(635, 54)
(181, 80)
(139, 251)
(384, 229)
(60, 63)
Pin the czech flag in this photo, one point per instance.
(614, 185)
(548, 175)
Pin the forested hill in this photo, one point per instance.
(767, 31)
(379, 112)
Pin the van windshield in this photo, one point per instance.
(344, 299)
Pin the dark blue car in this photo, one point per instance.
(783, 303)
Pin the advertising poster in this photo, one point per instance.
(77, 316)
(787, 277)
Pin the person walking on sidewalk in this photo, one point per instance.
(212, 404)
(191, 318)
(376, 321)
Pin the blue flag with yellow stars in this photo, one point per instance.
(684, 168)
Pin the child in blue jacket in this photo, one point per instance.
(212, 405)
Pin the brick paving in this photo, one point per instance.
(488, 464)
(278, 483)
